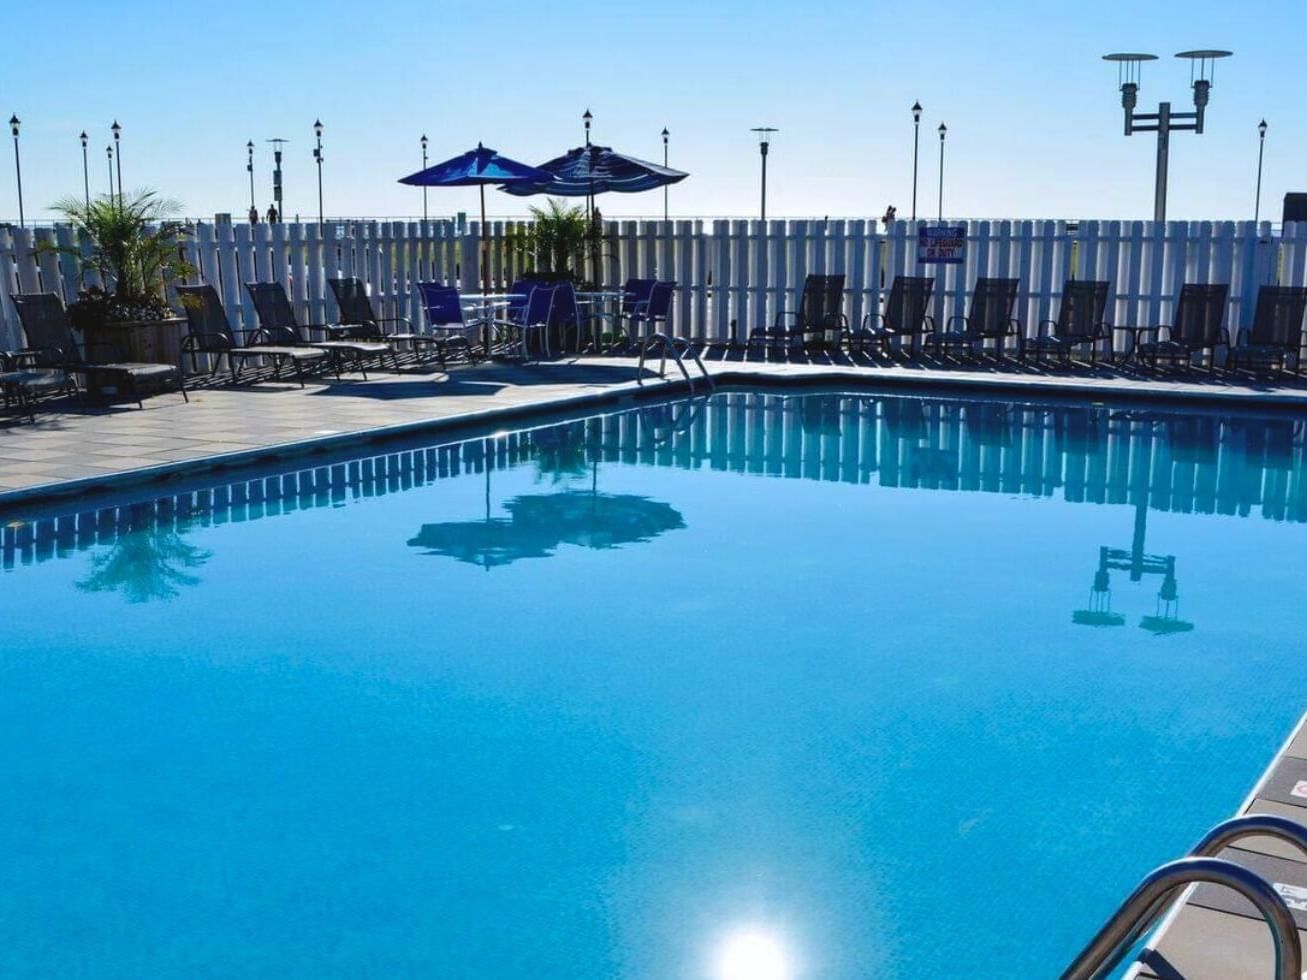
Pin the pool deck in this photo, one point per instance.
(73, 450)
(1209, 935)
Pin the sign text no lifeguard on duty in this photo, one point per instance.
(943, 244)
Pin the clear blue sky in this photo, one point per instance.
(1033, 114)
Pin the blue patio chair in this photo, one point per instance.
(444, 312)
(635, 299)
(567, 322)
(514, 314)
(529, 329)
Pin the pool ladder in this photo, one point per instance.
(1146, 904)
(670, 345)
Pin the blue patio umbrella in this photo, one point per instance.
(589, 170)
(480, 167)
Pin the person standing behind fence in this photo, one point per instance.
(272, 214)
(254, 215)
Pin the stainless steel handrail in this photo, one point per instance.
(666, 344)
(1138, 912)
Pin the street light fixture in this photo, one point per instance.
(665, 135)
(943, 130)
(1202, 69)
(1261, 150)
(277, 143)
(249, 168)
(86, 171)
(916, 148)
(423, 141)
(14, 123)
(108, 152)
(586, 118)
(317, 157)
(764, 144)
(118, 158)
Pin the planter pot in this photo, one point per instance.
(143, 341)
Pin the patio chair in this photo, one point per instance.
(51, 344)
(1079, 321)
(279, 326)
(635, 303)
(1197, 327)
(819, 314)
(513, 315)
(357, 315)
(532, 323)
(443, 309)
(1276, 333)
(988, 318)
(905, 315)
(211, 333)
(26, 374)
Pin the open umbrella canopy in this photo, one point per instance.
(589, 170)
(480, 166)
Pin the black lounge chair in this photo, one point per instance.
(1199, 316)
(360, 322)
(989, 318)
(1276, 333)
(1079, 321)
(279, 326)
(26, 374)
(819, 314)
(52, 344)
(211, 333)
(906, 315)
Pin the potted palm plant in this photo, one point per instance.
(559, 241)
(134, 242)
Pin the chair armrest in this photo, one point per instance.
(866, 321)
(1012, 327)
(956, 317)
(1040, 332)
(929, 318)
(780, 318)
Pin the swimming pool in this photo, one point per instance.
(826, 685)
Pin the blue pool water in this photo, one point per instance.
(764, 686)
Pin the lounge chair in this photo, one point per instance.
(1079, 321)
(279, 326)
(359, 321)
(1276, 333)
(988, 318)
(818, 315)
(444, 312)
(25, 374)
(211, 333)
(1199, 316)
(906, 315)
(49, 332)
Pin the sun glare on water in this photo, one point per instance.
(752, 954)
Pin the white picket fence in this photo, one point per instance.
(733, 274)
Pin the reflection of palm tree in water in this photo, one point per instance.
(146, 562)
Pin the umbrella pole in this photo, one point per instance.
(485, 275)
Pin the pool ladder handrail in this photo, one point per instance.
(1140, 912)
(666, 345)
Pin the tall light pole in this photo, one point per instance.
(317, 157)
(585, 119)
(589, 198)
(423, 141)
(86, 171)
(943, 131)
(14, 123)
(118, 158)
(277, 144)
(249, 169)
(1261, 151)
(665, 135)
(1202, 68)
(108, 152)
(764, 144)
(916, 152)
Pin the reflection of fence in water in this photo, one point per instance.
(1179, 462)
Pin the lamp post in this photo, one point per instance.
(249, 169)
(764, 143)
(423, 141)
(86, 171)
(118, 158)
(1202, 65)
(14, 123)
(943, 131)
(589, 198)
(277, 144)
(317, 158)
(916, 152)
(1261, 151)
(586, 118)
(108, 152)
(665, 135)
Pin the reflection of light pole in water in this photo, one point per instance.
(1166, 616)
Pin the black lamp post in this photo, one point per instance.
(665, 135)
(249, 169)
(118, 158)
(1261, 150)
(14, 123)
(317, 158)
(916, 152)
(1202, 70)
(943, 131)
(764, 144)
(278, 206)
(86, 172)
(108, 152)
(586, 118)
(423, 141)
